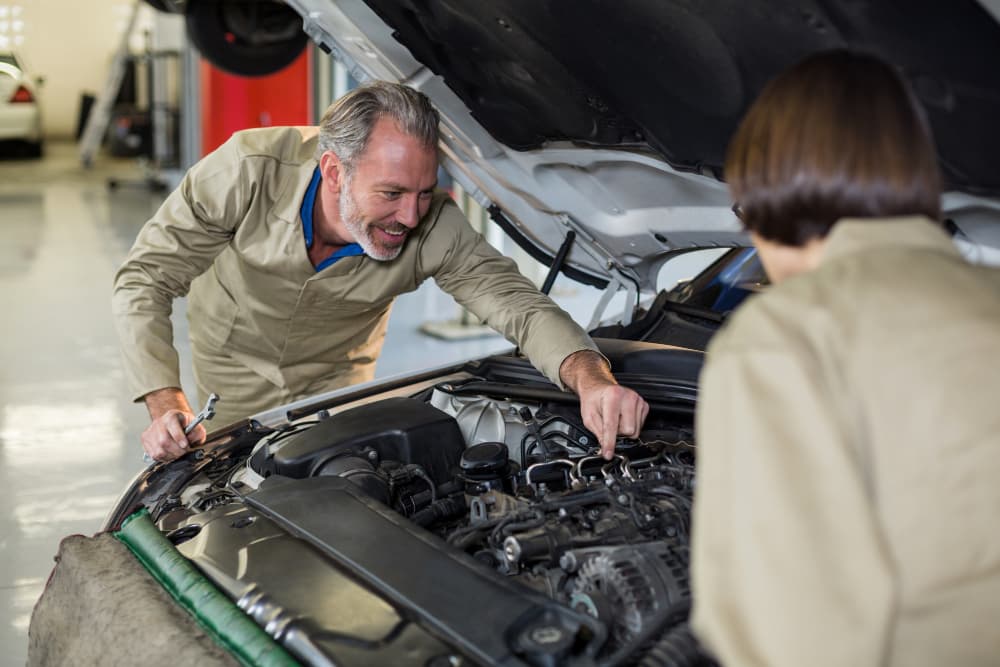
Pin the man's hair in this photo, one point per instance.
(838, 135)
(347, 124)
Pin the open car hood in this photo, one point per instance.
(611, 120)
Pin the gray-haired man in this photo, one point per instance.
(292, 244)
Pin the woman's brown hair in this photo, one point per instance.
(838, 135)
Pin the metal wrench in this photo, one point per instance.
(205, 415)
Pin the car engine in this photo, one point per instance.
(517, 485)
(460, 520)
(608, 538)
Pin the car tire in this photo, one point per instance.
(245, 38)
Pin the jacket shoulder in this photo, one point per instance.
(285, 144)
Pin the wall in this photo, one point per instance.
(71, 44)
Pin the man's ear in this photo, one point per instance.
(332, 170)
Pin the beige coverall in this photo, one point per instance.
(848, 503)
(265, 326)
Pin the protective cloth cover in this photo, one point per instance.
(101, 607)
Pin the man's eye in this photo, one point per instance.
(426, 194)
(391, 194)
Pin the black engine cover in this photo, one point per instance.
(399, 429)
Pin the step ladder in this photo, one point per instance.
(100, 114)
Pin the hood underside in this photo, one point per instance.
(678, 76)
(611, 119)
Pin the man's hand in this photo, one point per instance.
(608, 409)
(170, 412)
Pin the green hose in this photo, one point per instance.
(213, 611)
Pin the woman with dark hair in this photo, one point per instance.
(849, 438)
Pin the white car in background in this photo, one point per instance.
(20, 116)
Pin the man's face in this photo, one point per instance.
(388, 191)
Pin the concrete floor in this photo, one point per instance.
(69, 437)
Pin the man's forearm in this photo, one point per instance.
(161, 401)
(584, 368)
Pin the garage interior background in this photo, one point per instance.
(69, 437)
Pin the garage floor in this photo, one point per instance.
(69, 437)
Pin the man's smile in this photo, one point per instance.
(394, 233)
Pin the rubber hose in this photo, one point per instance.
(439, 509)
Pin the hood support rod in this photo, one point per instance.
(558, 262)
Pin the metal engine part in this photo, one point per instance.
(626, 586)
(482, 419)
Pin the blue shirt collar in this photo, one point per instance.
(306, 213)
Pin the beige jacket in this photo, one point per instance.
(848, 503)
(264, 325)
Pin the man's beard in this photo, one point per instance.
(363, 232)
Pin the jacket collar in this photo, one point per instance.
(296, 181)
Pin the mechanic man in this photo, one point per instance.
(292, 244)
(848, 432)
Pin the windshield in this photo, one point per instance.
(725, 284)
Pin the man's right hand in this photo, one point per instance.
(170, 412)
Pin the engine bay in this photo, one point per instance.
(506, 480)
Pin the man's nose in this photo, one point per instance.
(408, 213)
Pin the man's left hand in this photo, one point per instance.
(608, 409)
